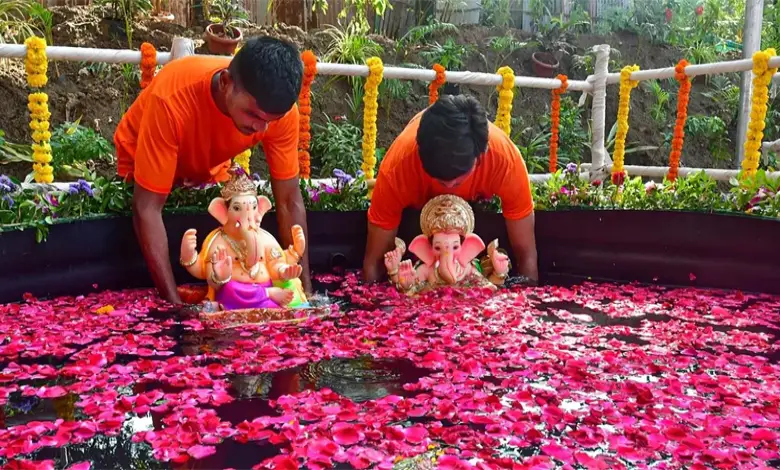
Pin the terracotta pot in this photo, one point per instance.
(218, 43)
(544, 64)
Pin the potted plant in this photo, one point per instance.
(223, 33)
(553, 40)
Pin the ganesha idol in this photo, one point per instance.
(244, 265)
(447, 251)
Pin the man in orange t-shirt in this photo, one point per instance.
(194, 117)
(451, 148)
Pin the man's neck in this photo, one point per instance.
(216, 94)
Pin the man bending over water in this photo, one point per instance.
(194, 117)
(451, 148)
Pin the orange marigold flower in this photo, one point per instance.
(555, 120)
(433, 88)
(304, 110)
(678, 136)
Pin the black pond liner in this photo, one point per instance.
(665, 247)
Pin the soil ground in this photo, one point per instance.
(99, 93)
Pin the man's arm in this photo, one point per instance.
(523, 241)
(379, 242)
(153, 239)
(291, 211)
(156, 158)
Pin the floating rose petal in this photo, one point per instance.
(199, 452)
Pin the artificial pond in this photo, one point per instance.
(586, 375)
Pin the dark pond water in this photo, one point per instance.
(360, 379)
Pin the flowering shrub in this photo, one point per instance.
(591, 376)
(759, 196)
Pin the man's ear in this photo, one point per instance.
(225, 79)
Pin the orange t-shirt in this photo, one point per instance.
(402, 182)
(174, 132)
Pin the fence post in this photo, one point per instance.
(182, 47)
(599, 112)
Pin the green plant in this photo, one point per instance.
(359, 11)
(349, 45)
(711, 130)
(129, 75)
(498, 13)
(76, 147)
(659, 109)
(726, 94)
(450, 55)
(355, 102)
(532, 146)
(14, 153)
(418, 35)
(43, 19)
(15, 20)
(572, 136)
(503, 47)
(337, 145)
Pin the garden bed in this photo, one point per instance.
(664, 247)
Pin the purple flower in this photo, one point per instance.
(256, 177)
(342, 177)
(328, 189)
(314, 194)
(73, 188)
(8, 199)
(7, 186)
(571, 168)
(86, 188)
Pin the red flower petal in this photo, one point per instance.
(346, 434)
(415, 434)
(199, 452)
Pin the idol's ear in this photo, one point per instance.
(421, 247)
(471, 247)
(263, 205)
(218, 208)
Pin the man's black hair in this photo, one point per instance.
(271, 71)
(453, 133)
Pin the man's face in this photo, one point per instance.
(243, 110)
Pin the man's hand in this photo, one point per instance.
(523, 241)
(150, 231)
(379, 242)
(289, 212)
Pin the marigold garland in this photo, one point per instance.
(243, 159)
(678, 137)
(762, 78)
(375, 72)
(433, 88)
(505, 96)
(148, 64)
(36, 65)
(626, 85)
(304, 110)
(555, 120)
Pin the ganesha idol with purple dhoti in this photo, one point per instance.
(244, 265)
(447, 251)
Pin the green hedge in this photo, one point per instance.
(759, 196)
